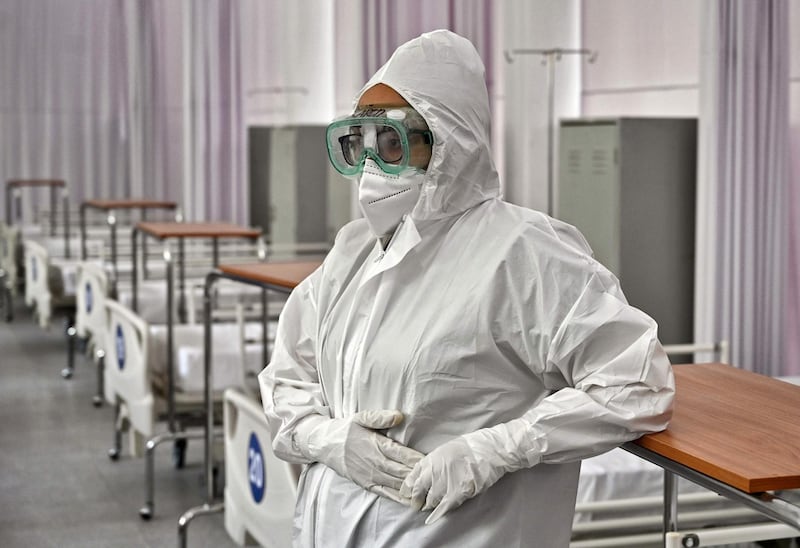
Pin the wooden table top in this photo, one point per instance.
(36, 182)
(130, 204)
(196, 230)
(740, 428)
(287, 275)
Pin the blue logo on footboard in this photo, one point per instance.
(120, 347)
(88, 298)
(255, 468)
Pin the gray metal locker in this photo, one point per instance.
(296, 196)
(629, 185)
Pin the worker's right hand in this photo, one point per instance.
(356, 449)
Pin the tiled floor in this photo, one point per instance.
(58, 488)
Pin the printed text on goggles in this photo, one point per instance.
(385, 135)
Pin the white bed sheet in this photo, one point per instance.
(619, 475)
(228, 368)
(152, 297)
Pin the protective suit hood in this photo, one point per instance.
(441, 75)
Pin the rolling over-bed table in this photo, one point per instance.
(164, 231)
(281, 277)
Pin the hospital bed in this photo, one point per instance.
(34, 239)
(138, 379)
(50, 280)
(174, 399)
(93, 288)
(19, 224)
(8, 269)
(95, 283)
(50, 287)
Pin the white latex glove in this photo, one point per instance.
(354, 449)
(457, 471)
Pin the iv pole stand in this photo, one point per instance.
(550, 57)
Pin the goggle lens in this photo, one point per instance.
(388, 145)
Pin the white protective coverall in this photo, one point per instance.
(478, 313)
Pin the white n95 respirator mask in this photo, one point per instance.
(385, 198)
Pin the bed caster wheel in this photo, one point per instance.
(113, 454)
(690, 541)
(179, 453)
(66, 373)
(145, 513)
(218, 478)
(97, 401)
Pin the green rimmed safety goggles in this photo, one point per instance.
(389, 140)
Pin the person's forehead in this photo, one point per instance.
(381, 95)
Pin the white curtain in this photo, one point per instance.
(148, 98)
(125, 98)
(742, 223)
(214, 176)
(63, 87)
(367, 40)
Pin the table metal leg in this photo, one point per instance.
(18, 201)
(65, 199)
(264, 324)
(181, 281)
(9, 201)
(170, 342)
(144, 242)
(112, 221)
(82, 221)
(53, 208)
(207, 388)
(670, 503)
(116, 449)
(135, 282)
(100, 356)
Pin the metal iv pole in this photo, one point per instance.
(550, 57)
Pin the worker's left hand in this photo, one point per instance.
(451, 474)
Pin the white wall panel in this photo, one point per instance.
(680, 102)
(649, 57)
(523, 93)
(288, 61)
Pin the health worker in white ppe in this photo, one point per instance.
(447, 367)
